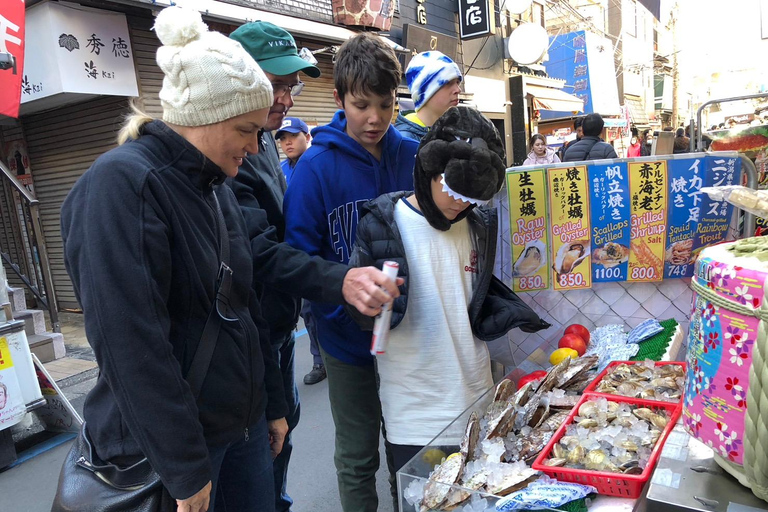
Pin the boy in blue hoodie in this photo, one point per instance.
(355, 158)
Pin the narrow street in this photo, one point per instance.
(31, 485)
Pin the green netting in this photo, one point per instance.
(654, 348)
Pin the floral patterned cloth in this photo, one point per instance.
(720, 343)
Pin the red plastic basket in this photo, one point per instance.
(610, 484)
(593, 385)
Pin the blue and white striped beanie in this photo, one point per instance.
(427, 73)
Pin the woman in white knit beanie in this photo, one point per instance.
(159, 257)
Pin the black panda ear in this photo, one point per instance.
(433, 156)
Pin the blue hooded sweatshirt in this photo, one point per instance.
(331, 181)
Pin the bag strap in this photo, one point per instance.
(219, 310)
(589, 152)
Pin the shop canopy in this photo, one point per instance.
(636, 111)
(548, 98)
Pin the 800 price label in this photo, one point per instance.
(644, 273)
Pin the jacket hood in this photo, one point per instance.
(334, 136)
(549, 157)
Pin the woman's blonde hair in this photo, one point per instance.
(131, 129)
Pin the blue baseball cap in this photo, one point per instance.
(292, 125)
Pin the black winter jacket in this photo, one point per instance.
(141, 245)
(410, 129)
(259, 187)
(494, 308)
(589, 148)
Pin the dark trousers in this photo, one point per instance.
(402, 453)
(309, 323)
(284, 351)
(356, 411)
(242, 470)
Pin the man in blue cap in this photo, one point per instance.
(293, 137)
(282, 274)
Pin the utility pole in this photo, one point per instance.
(675, 70)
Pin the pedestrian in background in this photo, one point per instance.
(578, 130)
(682, 143)
(293, 137)
(635, 148)
(434, 82)
(358, 156)
(539, 152)
(590, 147)
(282, 274)
(646, 143)
(144, 232)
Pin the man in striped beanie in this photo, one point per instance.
(434, 81)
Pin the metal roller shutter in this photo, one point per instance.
(315, 106)
(63, 143)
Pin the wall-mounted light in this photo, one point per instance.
(7, 61)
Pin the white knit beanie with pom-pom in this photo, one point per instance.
(209, 77)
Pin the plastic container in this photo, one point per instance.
(610, 484)
(593, 385)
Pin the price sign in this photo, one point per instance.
(569, 216)
(609, 200)
(648, 220)
(528, 230)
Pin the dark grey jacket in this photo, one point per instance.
(589, 148)
(259, 188)
(494, 308)
(410, 129)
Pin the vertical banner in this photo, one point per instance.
(569, 217)
(11, 55)
(609, 202)
(716, 215)
(648, 183)
(528, 229)
(685, 197)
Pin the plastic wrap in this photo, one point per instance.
(749, 200)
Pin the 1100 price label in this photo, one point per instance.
(608, 273)
(571, 280)
(641, 273)
(530, 283)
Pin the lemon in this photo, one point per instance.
(560, 354)
(433, 457)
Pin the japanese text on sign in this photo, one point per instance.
(569, 216)
(609, 199)
(528, 229)
(685, 182)
(648, 220)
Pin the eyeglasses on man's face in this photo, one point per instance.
(280, 90)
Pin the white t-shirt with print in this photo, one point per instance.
(434, 368)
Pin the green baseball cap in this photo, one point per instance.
(273, 48)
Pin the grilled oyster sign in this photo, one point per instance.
(528, 197)
(569, 217)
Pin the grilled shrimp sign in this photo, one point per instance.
(634, 220)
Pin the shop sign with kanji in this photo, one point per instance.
(74, 49)
(528, 196)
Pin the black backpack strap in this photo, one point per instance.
(219, 310)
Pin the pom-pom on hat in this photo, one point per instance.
(209, 78)
(465, 150)
(427, 73)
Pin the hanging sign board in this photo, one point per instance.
(475, 18)
(528, 196)
(648, 220)
(609, 202)
(12, 55)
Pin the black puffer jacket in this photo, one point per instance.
(494, 308)
(589, 148)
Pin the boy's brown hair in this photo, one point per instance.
(365, 64)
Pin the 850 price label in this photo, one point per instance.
(571, 280)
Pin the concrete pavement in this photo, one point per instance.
(31, 485)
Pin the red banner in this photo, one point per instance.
(11, 55)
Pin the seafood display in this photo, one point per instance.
(500, 443)
(611, 255)
(644, 380)
(680, 253)
(570, 255)
(609, 436)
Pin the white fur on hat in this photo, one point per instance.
(209, 78)
(427, 73)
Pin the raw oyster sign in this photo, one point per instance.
(528, 196)
(635, 220)
(74, 49)
(569, 214)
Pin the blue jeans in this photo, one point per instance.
(242, 470)
(283, 351)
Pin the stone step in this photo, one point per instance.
(18, 298)
(34, 320)
(47, 346)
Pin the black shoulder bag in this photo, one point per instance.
(88, 484)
